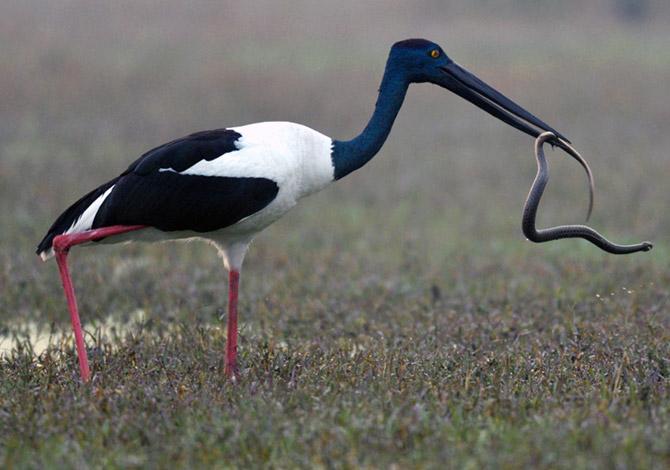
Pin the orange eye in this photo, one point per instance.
(435, 53)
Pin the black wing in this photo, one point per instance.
(183, 153)
(170, 201)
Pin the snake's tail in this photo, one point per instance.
(589, 174)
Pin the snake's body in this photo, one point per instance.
(564, 231)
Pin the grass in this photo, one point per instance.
(397, 319)
(486, 367)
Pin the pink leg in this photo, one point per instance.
(231, 342)
(61, 245)
(61, 259)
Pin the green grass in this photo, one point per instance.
(396, 320)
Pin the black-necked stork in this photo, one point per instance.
(226, 185)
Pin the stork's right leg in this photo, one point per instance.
(232, 253)
(231, 341)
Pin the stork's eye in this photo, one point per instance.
(435, 53)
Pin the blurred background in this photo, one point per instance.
(87, 86)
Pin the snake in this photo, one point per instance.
(565, 231)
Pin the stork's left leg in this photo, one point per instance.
(231, 341)
(61, 259)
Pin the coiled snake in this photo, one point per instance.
(565, 231)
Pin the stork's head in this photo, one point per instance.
(420, 60)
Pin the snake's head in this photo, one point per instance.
(647, 246)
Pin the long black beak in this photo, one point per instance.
(468, 86)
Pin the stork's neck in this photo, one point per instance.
(352, 154)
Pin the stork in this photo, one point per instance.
(225, 186)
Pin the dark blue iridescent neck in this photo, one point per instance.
(352, 154)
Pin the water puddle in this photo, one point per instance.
(41, 337)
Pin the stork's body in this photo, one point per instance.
(222, 185)
(227, 185)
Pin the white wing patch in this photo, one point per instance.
(296, 157)
(85, 220)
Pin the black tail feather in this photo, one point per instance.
(67, 218)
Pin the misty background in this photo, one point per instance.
(86, 87)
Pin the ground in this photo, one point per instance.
(398, 319)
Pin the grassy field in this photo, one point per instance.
(396, 320)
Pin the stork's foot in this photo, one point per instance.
(232, 372)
